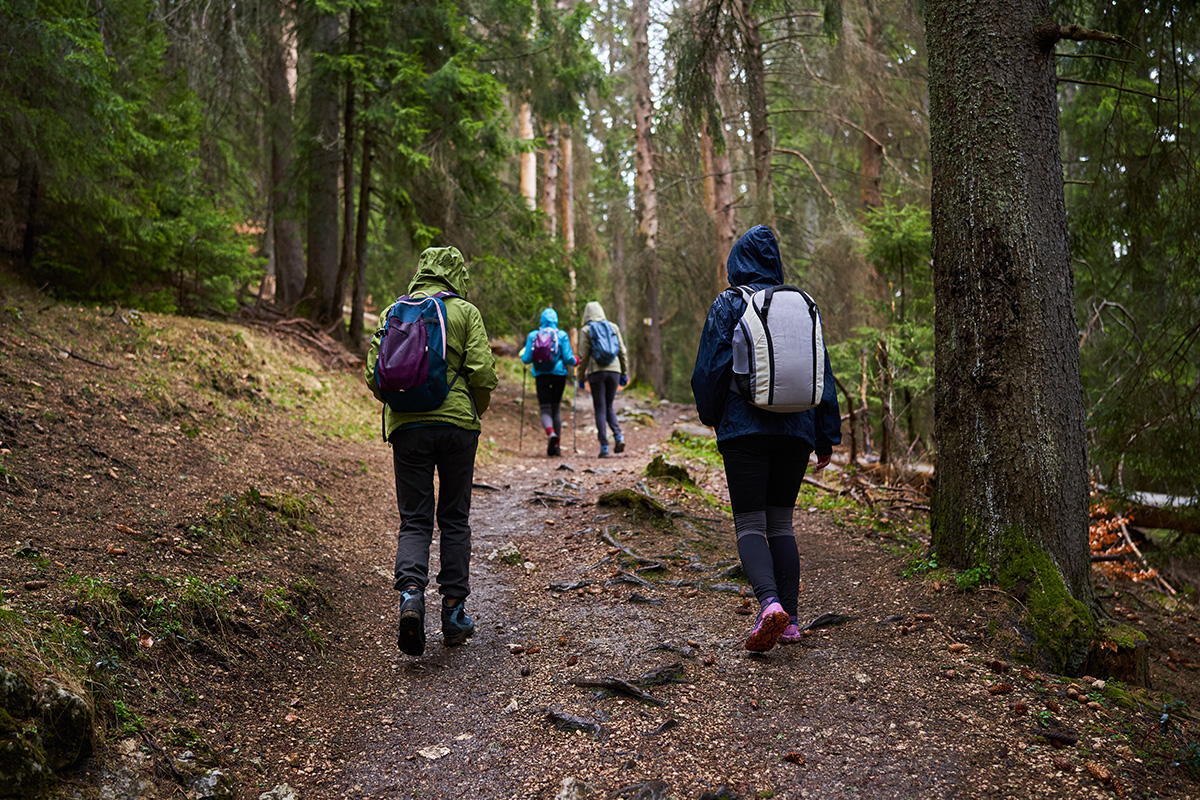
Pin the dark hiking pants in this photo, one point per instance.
(549, 393)
(416, 453)
(604, 391)
(764, 475)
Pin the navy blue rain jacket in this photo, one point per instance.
(754, 263)
(566, 358)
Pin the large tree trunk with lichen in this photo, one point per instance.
(322, 303)
(1011, 492)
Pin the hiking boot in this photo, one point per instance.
(620, 448)
(791, 634)
(603, 451)
(457, 627)
(771, 622)
(552, 444)
(411, 637)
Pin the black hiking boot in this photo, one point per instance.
(411, 637)
(552, 444)
(457, 627)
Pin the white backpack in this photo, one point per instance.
(778, 350)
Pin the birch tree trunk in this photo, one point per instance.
(528, 157)
(647, 193)
(1011, 492)
(550, 179)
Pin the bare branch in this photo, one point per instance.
(844, 121)
(1118, 88)
(1096, 55)
(1078, 33)
(811, 168)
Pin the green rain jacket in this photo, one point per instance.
(467, 352)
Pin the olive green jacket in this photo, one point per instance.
(467, 352)
(593, 312)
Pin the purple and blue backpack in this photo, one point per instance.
(545, 346)
(411, 370)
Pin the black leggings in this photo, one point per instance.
(764, 475)
(549, 393)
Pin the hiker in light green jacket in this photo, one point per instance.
(444, 439)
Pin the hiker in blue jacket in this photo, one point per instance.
(765, 452)
(550, 368)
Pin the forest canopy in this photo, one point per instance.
(297, 155)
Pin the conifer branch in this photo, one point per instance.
(811, 168)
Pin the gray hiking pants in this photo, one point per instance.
(604, 392)
(416, 453)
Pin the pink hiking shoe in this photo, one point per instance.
(767, 628)
(791, 634)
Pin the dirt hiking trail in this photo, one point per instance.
(608, 658)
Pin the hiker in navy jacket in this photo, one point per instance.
(765, 452)
(550, 377)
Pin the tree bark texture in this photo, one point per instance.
(718, 187)
(288, 244)
(358, 304)
(1011, 491)
(346, 267)
(322, 304)
(872, 151)
(646, 191)
(760, 129)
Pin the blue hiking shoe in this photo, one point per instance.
(457, 627)
(603, 451)
(411, 637)
(620, 448)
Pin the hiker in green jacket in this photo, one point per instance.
(444, 439)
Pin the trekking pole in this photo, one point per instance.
(521, 435)
(575, 408)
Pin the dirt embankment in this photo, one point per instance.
(198, 529)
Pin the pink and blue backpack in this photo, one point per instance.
(411, 371)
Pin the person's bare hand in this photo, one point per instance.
(822, 462)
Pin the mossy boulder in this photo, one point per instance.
(24, 773)
(16, 693)
(67, 719)
(659, 467)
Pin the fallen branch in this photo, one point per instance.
(824, 486)
(68, 351)
(620, 687)
(1129, 541)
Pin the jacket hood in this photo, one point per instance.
(755, 258)
(441, 267)
(592, 312)
(549, 319)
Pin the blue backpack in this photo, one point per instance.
(605, 344)
(545, 346)
(411, 370)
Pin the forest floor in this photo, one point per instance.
(198, 526)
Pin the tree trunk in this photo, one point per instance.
(550, 179)
(1011, 492)
(718, 186)
(321, 303)
(647, 193)
(347, 266)
(528, 157)
(760, 130)
(872, 153)
(567, 207)
(288, 245)
(358, 305)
